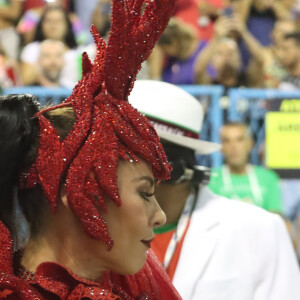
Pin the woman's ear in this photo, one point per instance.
(63, 196)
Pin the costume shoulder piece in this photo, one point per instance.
(11, 286)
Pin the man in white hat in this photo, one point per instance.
(212, 248)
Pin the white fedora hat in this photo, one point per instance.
(176, 115)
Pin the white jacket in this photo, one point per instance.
(236, 251)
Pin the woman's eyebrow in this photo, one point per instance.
(147, 178)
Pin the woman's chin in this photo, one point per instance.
(135, 267)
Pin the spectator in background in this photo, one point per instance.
(260, 17)
(200, 14)
(289, 55)
(180, 47)
(32, 15)
(54, 24)
(50, 63)
(101, 17)
(10, 11)
(220, 61)
(84, 10)
(265, 69)
(240, 180)
(209, 11)
(187, 12)
(296, 11)
(9, 71)
(212, 247)
(30, 4)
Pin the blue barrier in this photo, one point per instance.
(213, 119)
(253, 114)
(237, 94)
(212, 122)
(44, 95)
(248, 112)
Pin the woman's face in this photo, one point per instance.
(171, 49)
(226, 54)
(54, 25)
(131, 225)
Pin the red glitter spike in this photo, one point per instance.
(92, 191)
(6, 250)
(132, 38)
(49, 158)
(106, 127)
(87, 65)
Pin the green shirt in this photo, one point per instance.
(241, 189)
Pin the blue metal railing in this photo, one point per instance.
(237, 94)
(44, 95)
(243, 107)
(213, 120)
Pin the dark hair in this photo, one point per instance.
(33, 202)
(19, 141)
(17, 146)
(294, 36)
(69, 38)
(179, 158)
(177, 31)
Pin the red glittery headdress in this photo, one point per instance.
(107, 127)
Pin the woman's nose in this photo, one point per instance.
(159, 217)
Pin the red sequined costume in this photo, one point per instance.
(107, 128)
(52, 281)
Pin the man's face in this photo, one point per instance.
(236, 145)
(52, 60)
(226, 56)
(282, 28)
(288, 53)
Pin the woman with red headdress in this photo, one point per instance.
(83, 174)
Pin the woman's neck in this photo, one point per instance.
(60, 244)
(238, 169)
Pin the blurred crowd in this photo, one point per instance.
(251, 43)
(41, 41)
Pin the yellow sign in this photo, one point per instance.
(290, 105)
(283, 140)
